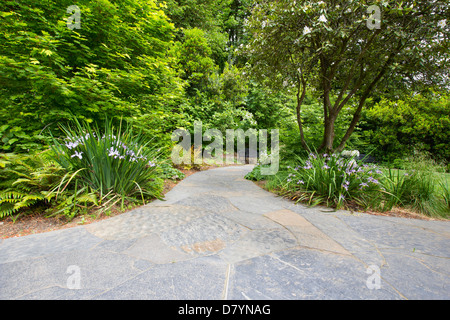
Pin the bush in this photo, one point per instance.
(115, 162)
(329, 179)
(418, 122)
(89, 169)
(341, 182)
(255, 174)
(121, 62)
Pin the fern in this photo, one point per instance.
(12, 201)
(26, 178)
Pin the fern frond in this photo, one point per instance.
(6, 209)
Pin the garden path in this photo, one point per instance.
(219, 236)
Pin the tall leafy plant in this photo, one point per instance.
(333, 180)
(115, 161)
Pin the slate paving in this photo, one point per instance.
(218, 236)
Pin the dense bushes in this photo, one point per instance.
(396, 128)
(120, 62)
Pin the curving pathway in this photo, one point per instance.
(219, 236)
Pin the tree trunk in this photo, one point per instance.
(328, 134)
(329, 115)
(300, 98)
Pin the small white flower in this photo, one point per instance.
(322, 18)
(354, 153)
(306, 30)
(78, 154)
(72, 145)
(113, 153)
(442, 23)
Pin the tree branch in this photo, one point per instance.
(365, 95)
(355, 64)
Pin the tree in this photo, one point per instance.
(344, 50)
(118, 63)
(195, 59)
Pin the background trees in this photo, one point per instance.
(328, 47)
(163, 64)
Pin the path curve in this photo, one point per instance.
(219, 236)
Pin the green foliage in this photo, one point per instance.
(112, 161)
(234, 86)
(119, 63)
(89, 169)
(416, 190)
(421, 186)
(13, 201)
(445, 187)
(342, 182)
(332, 180)
(255, 174)
(270, 109)
(168, 172)
(416, 122)
(26, 180)
(14, 138)
(329, 48)
(195, 59)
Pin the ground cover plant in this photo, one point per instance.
(343, 183)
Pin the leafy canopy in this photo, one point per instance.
(332, 48)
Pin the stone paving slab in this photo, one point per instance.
(306, 233)
(257, 243)
(46, 244)
(154, 249)
(98, 271)
(304, 274)
(219, 236)
(199, 279)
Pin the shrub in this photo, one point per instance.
(329, 179)
(121, 62)
(115, 162)
(421, 122)
(255, 174)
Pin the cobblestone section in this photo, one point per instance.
(219, 236)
